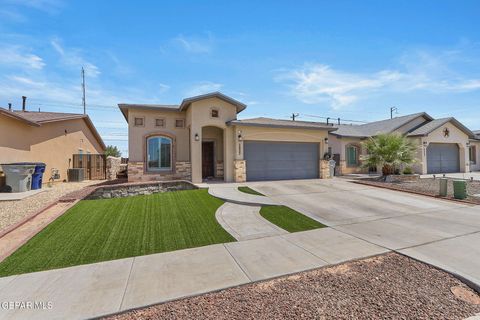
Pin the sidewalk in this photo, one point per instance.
(108, 287)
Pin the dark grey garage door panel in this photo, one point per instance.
(281, 160)
(443, 158)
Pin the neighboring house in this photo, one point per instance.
(444, 145)
(48, 137)
(202, 139)
(475, 152)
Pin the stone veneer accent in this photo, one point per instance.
(324, 169)
(129, 190)
(219, 169)
(113, 167)
(240, 170)
(183, 171)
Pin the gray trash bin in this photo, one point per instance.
(18, 176)
(331, 166)
(443, 187)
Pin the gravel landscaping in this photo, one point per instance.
(388, 286)
(428, 186)
(12, 212)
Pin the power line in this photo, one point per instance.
(332, 118)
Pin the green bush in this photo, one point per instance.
(408, 170)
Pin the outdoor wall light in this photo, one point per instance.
(240, 138)
(326, 140)
(197, 137)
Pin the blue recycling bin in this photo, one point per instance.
(37, 176)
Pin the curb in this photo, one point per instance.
(416, 192)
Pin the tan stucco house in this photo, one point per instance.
(201, 138)
(444, 145)
(49, 137)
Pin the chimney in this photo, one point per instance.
(9, 107)
(23, 103)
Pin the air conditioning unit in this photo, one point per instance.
(76, 174)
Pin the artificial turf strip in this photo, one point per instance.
(289, 219)
(100, 230)
(250, 191)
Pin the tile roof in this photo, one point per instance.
(269, 122)
(376, 127)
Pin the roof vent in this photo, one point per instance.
(23, 103)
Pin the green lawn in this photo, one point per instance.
(100, 230)
(289, 219)
(249, 191)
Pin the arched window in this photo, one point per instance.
(352, 156)
(159, 153)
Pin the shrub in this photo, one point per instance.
(408, 170)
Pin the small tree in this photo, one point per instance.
(389, 151)
(113, 151)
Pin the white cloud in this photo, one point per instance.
(203, 87)
(195, 44)
(16, 56)
(163, 87)
(316, 83)
(49, 6)
(73, 58)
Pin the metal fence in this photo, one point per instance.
(94, 165)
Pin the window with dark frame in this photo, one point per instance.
(159, 153)
(138, 122)
(160, 123)
(215, 113)
(179, 123)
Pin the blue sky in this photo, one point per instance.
(348, 59)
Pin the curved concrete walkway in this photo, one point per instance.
(245, 222)
(230, 193)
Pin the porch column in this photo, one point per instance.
(196, 153)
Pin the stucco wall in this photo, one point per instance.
(339, 146)
(456, 136)
(137, 135)
(199, 116)
(48, 143)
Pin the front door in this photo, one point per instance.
(207, 159)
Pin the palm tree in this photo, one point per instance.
(390, 151)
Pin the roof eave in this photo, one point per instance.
(17, 117)
(187, 101)
(246, 124)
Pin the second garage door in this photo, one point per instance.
(443, 158)
(281, 160)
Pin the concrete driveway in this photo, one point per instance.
(443, 233)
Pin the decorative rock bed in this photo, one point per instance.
(402, 178)
(135, 189)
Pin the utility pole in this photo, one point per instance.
(83, 89)
(294, 115)
(391, 111)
